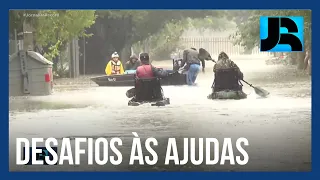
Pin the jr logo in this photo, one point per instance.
(281, 34)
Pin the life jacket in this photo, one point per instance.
(115, 67)
(144, 71)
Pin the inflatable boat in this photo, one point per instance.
(228, 95)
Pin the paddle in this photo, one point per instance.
(258, 90)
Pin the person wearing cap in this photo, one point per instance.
(133, 63)
(191, 63)
(114, 66)
(146, 70)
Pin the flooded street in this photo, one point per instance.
(278, 127)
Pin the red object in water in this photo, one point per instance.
(47, 77)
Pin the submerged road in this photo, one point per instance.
(278, 128)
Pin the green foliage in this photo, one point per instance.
(166, 41)
(53, 28)
(16, 19)
(149, 22)
(238, 16)
(61, 27)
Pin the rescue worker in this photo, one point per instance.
(146, 70)
(114, 66)
(191, 63)
(133, 63)
(227, 79)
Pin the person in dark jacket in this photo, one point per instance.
(227, 79)
(224, 62)
(133, 63)
(191, 62)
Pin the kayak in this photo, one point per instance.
(127, 79)
(228, 95)
(164, 102)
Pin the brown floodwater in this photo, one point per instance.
(278, 127)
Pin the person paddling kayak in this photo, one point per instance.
(146, 72)
(227, 78)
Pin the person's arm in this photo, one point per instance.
(126, 66)
(184, 58)
(240, 74)
(203, 63)
(214, 68)
(121, 69)
(108, 69)
(159, 73)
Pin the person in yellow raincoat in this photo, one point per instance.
(114, 66)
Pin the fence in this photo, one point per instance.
(214, 45)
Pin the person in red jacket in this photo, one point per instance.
(146, 70)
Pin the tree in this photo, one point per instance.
(118, 30)
(167, 39)
(53, 28)
(57, 30)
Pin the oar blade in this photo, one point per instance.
(261, 92)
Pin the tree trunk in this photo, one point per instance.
(293, 58)
(307, 62)
(301, 56)
(309, 67)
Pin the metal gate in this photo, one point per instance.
(214, 45)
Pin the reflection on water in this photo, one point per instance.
(282, 118)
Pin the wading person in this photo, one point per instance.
(114, 66)
(191, 61)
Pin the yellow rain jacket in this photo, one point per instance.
(114, 68)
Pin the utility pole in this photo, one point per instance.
(84, 55)
(27, 36)
(16, 49)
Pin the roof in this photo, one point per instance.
(33, 55)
